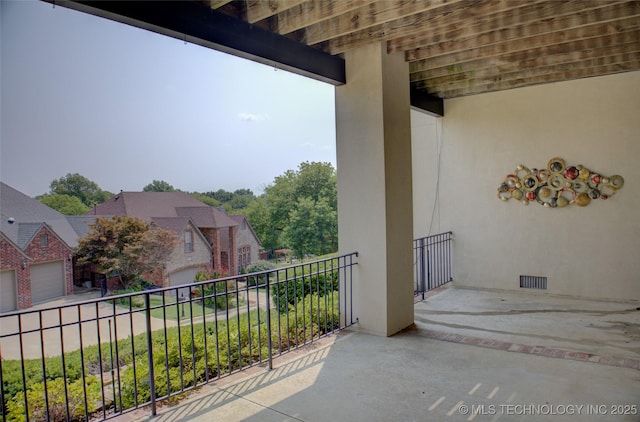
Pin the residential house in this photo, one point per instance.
(207, 236)
(36, 251)
(249, 245)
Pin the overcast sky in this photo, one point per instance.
(123, 106)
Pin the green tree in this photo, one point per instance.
(159, 186)
(82, 188)
(258, 214)
(127, 246)
(221, 195)
(312, 227)
(299, 210)
(241, 200)
(65, 204)
(206, 199)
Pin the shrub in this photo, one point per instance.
(133, 301)
(57, 410)
(290, 292)
(256, 267)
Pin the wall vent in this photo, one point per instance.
(533, 282)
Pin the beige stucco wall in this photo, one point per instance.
(588, 251)
(426, 131)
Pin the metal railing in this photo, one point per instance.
(104, 357)
(432, 262)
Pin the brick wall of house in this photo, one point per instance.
(233, 253)
(13, 259)
(55, 250)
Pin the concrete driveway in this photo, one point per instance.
(87, 324)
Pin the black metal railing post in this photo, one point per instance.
(152, 381)
(269, 346)
(421, 271)
(432, 262)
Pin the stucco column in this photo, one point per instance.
(375, 210)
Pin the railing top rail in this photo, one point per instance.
(112, 298)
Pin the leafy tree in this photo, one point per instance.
(299, 210)
(65, 204)
(221, 195)
(258, 214)
(206, 199)
(127, 246)
(82, 188)
(159, 186)
(312, 227)
(241, 200)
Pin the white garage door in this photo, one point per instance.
(8, 295)
(47, 281)
(183, 277)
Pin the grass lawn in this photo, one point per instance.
(175, 312)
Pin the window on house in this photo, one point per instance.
(44, 241)
(188, 241)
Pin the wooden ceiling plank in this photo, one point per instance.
(493, 75)
(258, 10)
(406, 26)
(528, 42)
(534, 18)
(367, 16)
(549, 25)
(546, 56)
(311, 12)
(544, 79)
(215, 4)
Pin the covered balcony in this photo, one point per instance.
(438, 104)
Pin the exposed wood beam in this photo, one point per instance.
(544, 79)
(312, 12)
(197, 23)
(367, 16)
(574, 51)
(258, 10)
(489, 76)
(215, 4)
(540, 16)
(525, 43)
(407, 25)
(548, 21)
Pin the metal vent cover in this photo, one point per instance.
(533, 282)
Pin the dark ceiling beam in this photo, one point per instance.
(426, 102)
(197, 23)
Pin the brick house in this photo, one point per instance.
(36, 251)
(207, 236)
(248, 244)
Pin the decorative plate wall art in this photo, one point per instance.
(558, 185)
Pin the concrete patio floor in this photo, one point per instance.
(473, 355)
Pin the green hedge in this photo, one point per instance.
(183, 351)
(288, 293)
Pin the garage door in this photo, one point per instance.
(47, 281)
(183, 277)
(8, 295)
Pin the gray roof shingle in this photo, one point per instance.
(24, 209)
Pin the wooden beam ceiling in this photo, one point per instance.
(454, 47)
(466, 47)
